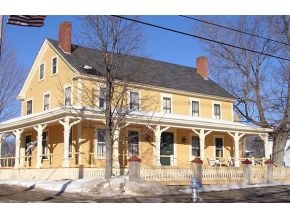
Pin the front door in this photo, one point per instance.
(166, 148)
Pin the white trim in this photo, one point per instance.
(232, 111)
(42, 63)
(214, 145)
(49, 100)
(51, 65)
(165, 95)
(221, 114)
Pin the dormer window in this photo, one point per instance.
(54, 66)
(41, 72)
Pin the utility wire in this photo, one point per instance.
(236, 30)
(199, 37)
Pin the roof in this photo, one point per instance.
(146, 71)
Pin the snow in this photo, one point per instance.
(120, 186)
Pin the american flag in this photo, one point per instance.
(27, 20)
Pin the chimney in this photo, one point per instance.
(64, 40)
(202, 66)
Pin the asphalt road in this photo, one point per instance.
(273, 194)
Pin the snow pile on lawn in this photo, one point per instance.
(118, 186)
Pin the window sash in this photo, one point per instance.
(166, 105)
(219, 147)
(41, 71)
(195, 108)
(102, 97)
(101, 143)
(29, 107)
(54, 65)
(67, 93)
(46, 102)
(217, 111)
(134, 100)
(133, 143)
(195, 146)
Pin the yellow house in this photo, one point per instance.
(186, 115)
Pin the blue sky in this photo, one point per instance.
(160, 44)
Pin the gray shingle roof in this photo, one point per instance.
(146, 71)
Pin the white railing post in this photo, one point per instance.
(39, 128)
(17, 134)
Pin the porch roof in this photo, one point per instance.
(144, 118)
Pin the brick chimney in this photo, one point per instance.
(64, 40)
(202, 66)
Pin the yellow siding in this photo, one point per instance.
(52, 84)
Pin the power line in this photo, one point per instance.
(199, 37)
(236, 30)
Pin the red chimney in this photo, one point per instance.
(202, 66)
(64, 40)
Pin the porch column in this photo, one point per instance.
(116, 163)
(17, 134)
(66, 133)
(156, 152)
(39, 128)
(236, 136)
(202, 134)
(265, 138)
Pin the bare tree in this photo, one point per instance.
(11, 80)
(253, 78)
(115, 40)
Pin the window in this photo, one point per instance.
(67, 96)
(195, 108)
(54, 66)
(101, 144)
(166, 105)
(29, 107)
(46, 102)
(219, 147)
(217, 111)
(102, 97)
(133, 143)
(44, 145)
(134, 100)
(70, 144)
(41, 72)
(195, 146)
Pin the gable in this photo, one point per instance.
(45, 56)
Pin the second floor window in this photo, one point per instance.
(217, 111)
(195, 108)
(102, 97)
(67, 96)
(133, 143)
(166, 105)
(54, 66)
(41, 71)
(29, 107)
(134, 100)
(46, 102)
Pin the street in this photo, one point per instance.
(273, 194)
